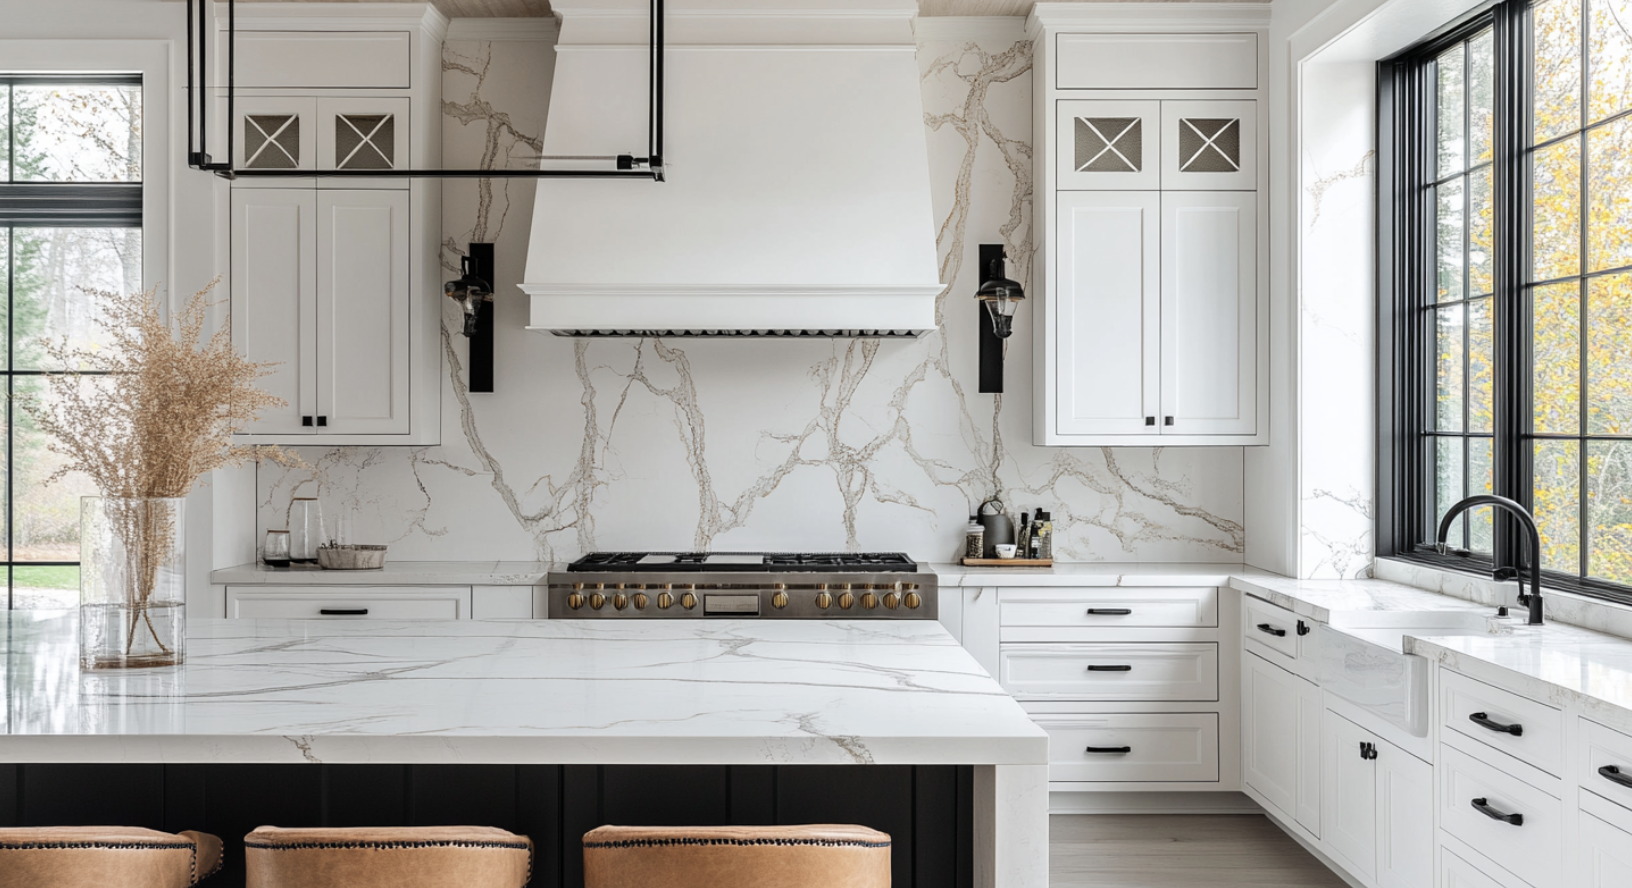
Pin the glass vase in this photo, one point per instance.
(132, 582)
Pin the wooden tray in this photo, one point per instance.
(1008, 562)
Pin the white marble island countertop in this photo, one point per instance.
(516, 692)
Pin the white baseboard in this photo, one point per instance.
(1151, 803)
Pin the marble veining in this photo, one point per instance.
(517, 692)
(708, 444)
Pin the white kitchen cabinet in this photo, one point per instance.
(337, 279)
(1278, 710)
(321, 288)
(1107, 313)
(349, 602)
(274, 299)
(1377, 799)
(1209, 313)
(1605, 853)
(1150, 335)
(362, 313)
(1349, 796)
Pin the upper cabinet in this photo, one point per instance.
(1151, 285)
(335, 278)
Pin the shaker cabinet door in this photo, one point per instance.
(1270, 736)
(274, 299)
(362, 312)
(1107, 313)
(1349, 796)
(1209, 311)
(1105, 146)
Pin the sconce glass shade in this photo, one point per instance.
(1001, 297)
(469, 291)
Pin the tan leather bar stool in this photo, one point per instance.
(821, 856)
(105, 857)
(387, 857)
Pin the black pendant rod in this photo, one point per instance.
(198, 153)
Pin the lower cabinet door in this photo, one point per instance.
(1269, 727)
(1349, 796)
(1132, 747)
(1405, 819)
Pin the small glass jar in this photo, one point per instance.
(305, 529)
(276, 553)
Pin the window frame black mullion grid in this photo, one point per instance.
(99, 205)
(1407, 256)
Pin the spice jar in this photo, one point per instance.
(974, 538)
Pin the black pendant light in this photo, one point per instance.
(999, 298)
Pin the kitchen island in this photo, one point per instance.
(555, 709)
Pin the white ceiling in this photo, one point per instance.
(529, 8)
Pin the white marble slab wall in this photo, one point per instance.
(726, 444)
(1337, 322)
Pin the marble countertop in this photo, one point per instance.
(517, 692)
(395, 573)
(1097, 573)
(1554, 663)
(1319, 599)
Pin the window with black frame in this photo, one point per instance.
(1506, 250)
(70, 225)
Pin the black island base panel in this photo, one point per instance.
(926, 809)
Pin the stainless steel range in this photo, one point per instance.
(738, 585)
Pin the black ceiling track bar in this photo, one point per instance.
(649, 167)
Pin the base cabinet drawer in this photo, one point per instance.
(1529, 731)
(1276, 628)
(1516, 825)
(1606, 763)
(1132, 747)
(1454, 872)
(1112, 671)
(365, 603)
(1109, 608)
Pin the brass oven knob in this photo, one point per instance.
(641, 601)
(913, 601)
(575, 600)
(892, 600)
(846, 600)
(869, 600)
(620, 601)
(664, 600)
(779, 600)
(688, 601)
(824, 600)
(597, 601)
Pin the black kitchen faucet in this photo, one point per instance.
(1533, 599)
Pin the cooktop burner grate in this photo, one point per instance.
(745, 561)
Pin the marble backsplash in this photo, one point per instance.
(727, 444)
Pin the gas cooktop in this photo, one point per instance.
(744, 562)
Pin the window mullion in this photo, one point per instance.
(1512, 313)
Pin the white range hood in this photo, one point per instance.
(797, 194)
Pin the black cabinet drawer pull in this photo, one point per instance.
(1110, 611)
(343, 611)
(1113, 750)
(1614, 775)
(1483, 807)
(1484, 721)
(1271, 630)
(1110, 668)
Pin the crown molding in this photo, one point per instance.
(504, 29)
(344, 16)
(1170, 17)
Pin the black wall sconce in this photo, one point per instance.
(474, 293)
(999, 297)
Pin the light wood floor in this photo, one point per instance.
(1178, 851)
